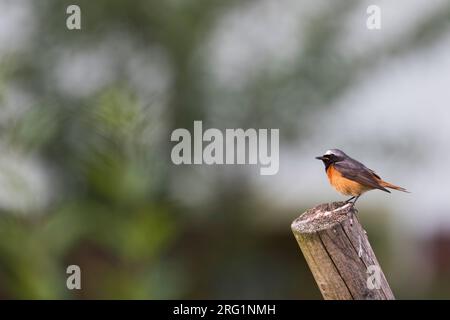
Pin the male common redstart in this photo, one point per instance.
(351, 177)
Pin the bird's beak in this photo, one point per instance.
(320, 158)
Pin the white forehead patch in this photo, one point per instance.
(329, 152)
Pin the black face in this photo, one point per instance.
(329, 159)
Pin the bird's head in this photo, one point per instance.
(332, 156)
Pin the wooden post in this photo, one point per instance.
(339, 254)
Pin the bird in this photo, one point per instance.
(350, 177)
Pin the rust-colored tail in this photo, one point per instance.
(392, 186)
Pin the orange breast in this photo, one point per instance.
(343, 185)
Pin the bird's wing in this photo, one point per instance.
(358, 172)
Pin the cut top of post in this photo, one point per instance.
(323, 216)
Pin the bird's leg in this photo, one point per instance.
(353, 209)
(348, 200)
(356, 199)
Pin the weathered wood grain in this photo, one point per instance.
(339, 254)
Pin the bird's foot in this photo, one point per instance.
(349, 200)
